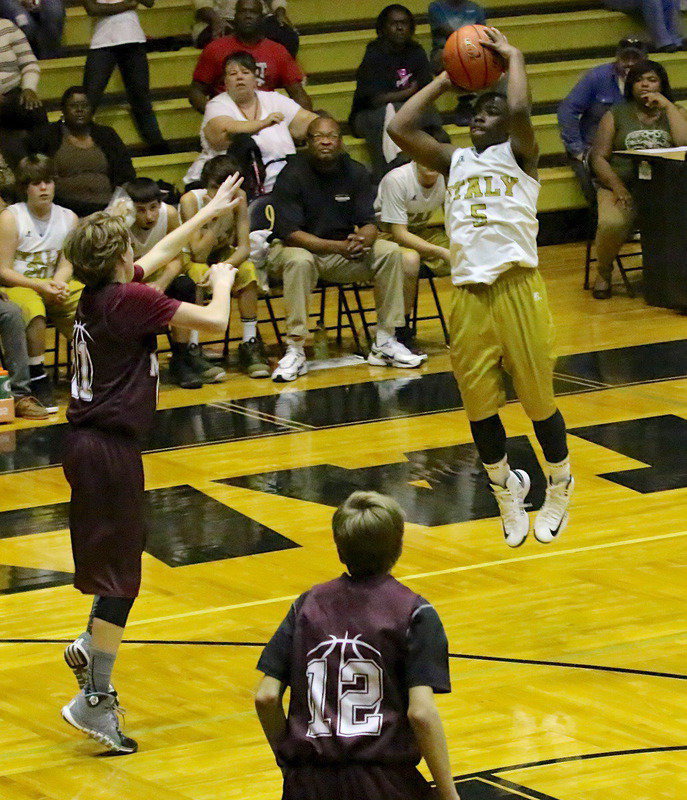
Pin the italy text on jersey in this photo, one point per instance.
(353, 667)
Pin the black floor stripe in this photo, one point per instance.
(461, 656)
(370, 401)
(678, 748)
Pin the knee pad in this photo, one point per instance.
(182, 288)
(114, 610)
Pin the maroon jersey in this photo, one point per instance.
(350, 650)
(115, 371)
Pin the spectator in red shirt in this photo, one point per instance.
(277, 68)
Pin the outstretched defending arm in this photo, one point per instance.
(406, 130)
(522, 136)
(166, 249)
(214, 317)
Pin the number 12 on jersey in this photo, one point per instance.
(359, 692)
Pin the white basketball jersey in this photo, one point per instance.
(144, 241)
(38, 252)
(490, 214)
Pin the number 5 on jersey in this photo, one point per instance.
(479, 218)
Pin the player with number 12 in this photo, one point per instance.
(363, 656)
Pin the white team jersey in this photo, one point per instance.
(144, 241)
(401, 200)
(37, 253)
(490, 214)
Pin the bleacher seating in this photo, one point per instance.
(554, 42)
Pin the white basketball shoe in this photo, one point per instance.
(511, 502)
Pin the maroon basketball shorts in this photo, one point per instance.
(355, 782)
(106, 520)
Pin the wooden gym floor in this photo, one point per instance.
(567, 661)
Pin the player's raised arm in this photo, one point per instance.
(406, 128)
(168, 248)
(214, 317)
(519, 101)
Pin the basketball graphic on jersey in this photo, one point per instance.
(345, 688)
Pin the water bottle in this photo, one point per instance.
(6, 398)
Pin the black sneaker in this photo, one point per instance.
(182, 371)
(42, 390)
(253, 359)
(208, 372)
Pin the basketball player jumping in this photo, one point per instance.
(500, 319)
(114, 392)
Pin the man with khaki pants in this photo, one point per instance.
(324, 220)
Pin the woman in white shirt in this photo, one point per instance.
(274, 121)
(118, 40)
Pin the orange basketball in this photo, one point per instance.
(469, 64)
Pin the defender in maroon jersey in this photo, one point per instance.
(114, 393)
(363, 656)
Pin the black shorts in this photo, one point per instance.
(106, 516)
(355, 782)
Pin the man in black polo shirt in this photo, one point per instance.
(324, 221)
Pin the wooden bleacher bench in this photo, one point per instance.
(330, 60)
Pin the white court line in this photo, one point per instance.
(420, 575)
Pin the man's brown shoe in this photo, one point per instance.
(28, 407)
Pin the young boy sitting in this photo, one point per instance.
(227, 240)
(363, 656)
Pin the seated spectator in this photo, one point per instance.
(394, 67)
(41, 21)
(118, 40)
(149, 220)
(273, 120)
(324, 218)
(407, 198)
(445, 17)
(16, 360)
(647, 118)
(227, 239)
(32, 267)
(21, 110)
(215, 18)
(661, 17)
(276, 68)
(580, 112)
(90, 160)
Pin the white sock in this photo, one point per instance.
(299, 346)
(382, 336)
(193, 338)
(35, 361)
(559, 473)
(498, 472)
(250, 329)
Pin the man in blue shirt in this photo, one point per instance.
(580, 112)
(446, 16)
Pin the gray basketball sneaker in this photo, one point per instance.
(96, 715)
